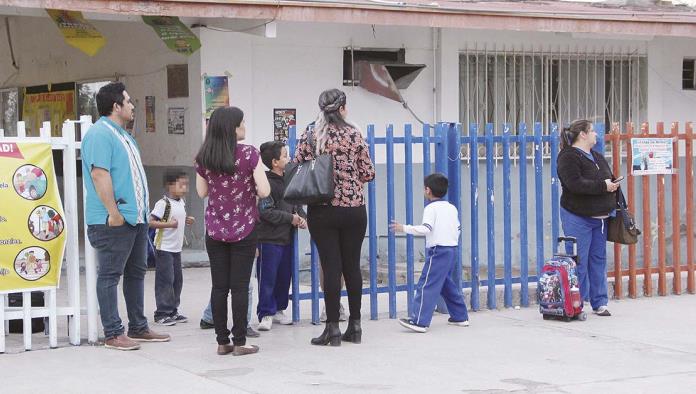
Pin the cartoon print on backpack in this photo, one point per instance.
(550, 288)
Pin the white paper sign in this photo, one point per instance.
(652, 156)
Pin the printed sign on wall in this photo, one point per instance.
(55, 107)
(177, 120)
(652, 156)
(32, 224)
(216, 94)
(283, 119)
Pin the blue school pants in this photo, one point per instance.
(274, 271)
(435, 281)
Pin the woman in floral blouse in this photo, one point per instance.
(231, 176)
(338, 228)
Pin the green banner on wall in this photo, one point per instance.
(174, 33)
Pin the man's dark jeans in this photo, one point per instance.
(168, 283)
(121, 251)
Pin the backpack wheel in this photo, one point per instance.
(582, 316)
(567, 319)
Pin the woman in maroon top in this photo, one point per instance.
(231, 176)
(338, 228)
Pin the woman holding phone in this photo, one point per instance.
(588, 200)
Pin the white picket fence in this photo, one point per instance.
(73, 310)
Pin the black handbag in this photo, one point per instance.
(310, 182)
(622, 227)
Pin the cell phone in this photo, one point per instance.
(619, 179)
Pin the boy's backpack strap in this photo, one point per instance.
(167, 210)
(165, 218)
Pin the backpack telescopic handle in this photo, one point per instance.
(572, 240)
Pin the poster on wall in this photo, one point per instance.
(177, 120)
(77, 31)
(32, 236)
(216, 94)
(55, 107)
(283, 119)
(175, 34)
(149, 114)
(652, 156)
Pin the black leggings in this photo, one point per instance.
(230, 270)
(338, 233)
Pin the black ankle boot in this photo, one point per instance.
(330, 336)
(353, 332)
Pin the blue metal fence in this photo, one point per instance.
(448, 142)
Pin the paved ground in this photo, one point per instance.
(648, 346)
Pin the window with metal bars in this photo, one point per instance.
(689, 74)
(551, 87)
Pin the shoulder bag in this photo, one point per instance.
(310, 182)
(622, 227)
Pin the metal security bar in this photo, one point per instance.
(667, 222)
(515, 86)
(524, 216)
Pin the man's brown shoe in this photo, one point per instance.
(150, 336)
(225, 349)
(244, 350)
(121, 342)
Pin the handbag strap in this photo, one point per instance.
(620, 199)
(311, 140)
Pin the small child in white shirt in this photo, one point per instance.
(168, 218)
(441, 230)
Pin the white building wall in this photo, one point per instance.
(667, 101)
(290, 71)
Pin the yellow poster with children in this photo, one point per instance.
(55, 107)
(32, 223)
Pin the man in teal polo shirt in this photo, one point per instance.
(116, 214)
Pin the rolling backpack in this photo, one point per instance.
(558, 290)
(154, 237)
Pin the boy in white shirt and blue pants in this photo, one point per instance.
(169, 219)
(441, 230)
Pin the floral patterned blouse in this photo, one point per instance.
(352, 164)
(232, 213)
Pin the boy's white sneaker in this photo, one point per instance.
(265, 323)
(280, 318)
(464, 323)
(408, 323)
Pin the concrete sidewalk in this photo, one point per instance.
(648, 346)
